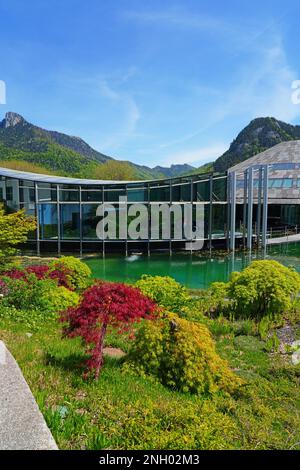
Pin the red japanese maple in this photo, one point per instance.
(42, 271)
(104, 305)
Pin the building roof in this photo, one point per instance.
(23, 175)
(52, 179)
(285, 152)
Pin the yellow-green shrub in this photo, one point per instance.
(263, 288)
(59, 299)
(79, 273)
(181, 355)
(165, 291)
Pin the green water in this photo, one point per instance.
(194, 271)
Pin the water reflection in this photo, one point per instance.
(194, 271)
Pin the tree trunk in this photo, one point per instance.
(100, 347)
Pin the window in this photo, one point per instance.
(9, 193)
(69, 221)
(284, 166)
(287, 183)
(48, 221)
(277, 183)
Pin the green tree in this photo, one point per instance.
(115, 170)
(14, 229)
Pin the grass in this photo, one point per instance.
(124, 411)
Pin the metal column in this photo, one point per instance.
(210, 221)
(170, 241)
(265, 206)
(259, 194)
(58, 221)
(80, 221)
(37, 216)
(245, 207)
(250, 209)
(232, 177)
(149, 218)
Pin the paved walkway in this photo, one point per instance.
(285, 239)
(22, 426)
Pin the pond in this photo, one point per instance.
(194, 271)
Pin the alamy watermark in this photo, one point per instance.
(154, 221)
(2, 92)
(296, 92)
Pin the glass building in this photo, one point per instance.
(66, 209)
(239, 207)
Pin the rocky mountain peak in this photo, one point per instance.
(12, 120)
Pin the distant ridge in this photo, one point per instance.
(61, 153)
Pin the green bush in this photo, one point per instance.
(58, 299)
(165, 291)
(215, 300)
(181, 355)
(38, 294)
(80, 273)
(263, 288)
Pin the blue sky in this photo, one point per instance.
(154, 82)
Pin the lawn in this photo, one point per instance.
(124, 411)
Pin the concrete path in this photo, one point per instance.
(22, 426)
(285, 239)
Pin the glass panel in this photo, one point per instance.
(160, 193)
(201, 191)
(26, 183)
(113, 194)
(137, 194)
(27, 195)
(220, 189)
(12, 194)
(69, 223)
(287, 183)
(69, 195)
(30, 210)
(94, 196)
(47, 192)
(89, 221)
(181, 192)
(219, 217)
(48, 221)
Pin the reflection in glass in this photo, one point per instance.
(69, 221)
(48, 221)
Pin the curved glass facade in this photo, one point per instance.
(191, 212)
(67, 210)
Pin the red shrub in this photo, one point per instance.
(15, 274)
(42, 271)
(39, 270)
(61, 276)
(105, 304)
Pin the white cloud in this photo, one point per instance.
(179, 17)
(128, 108)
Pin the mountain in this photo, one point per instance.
(174, 170)
(60, 153)
(259, 135)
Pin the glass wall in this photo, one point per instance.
(69, 221)
(89, 221)
(62, 219)
(48, 221)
